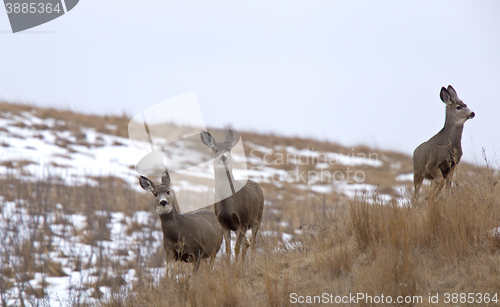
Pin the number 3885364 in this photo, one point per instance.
(32, 8)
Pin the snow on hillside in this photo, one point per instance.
(61, 289)
(24, 148)
(33, 148)
(61, 153)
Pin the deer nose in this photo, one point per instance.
(472, 115)
(223, 158)
(163, 203)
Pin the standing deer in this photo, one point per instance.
(437, 158)
(243, 209)
(187, 237)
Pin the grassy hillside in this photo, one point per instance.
(366, 247)
(97, 241)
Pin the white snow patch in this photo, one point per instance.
(405, 177)
(110, 127)
(322, 189)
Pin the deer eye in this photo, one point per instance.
(155, 194)
(459, 108)
(168, 192)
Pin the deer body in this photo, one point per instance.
(187, 237)
(187, 243)
(234, 216)
(437, 158)
(243, 209)
(240, 212)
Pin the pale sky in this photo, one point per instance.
(353, 72)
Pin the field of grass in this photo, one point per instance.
(444, 246)
(104, 240)
(366, 246)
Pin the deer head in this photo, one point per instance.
(164, 197)
(457, 112)
(221, 151)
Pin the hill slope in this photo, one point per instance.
(76, 227)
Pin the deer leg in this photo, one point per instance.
(169, 269)
(237, 246)
(255, 229)
(417, 181)
(439, 180)
(245, 249)
(439, 186)
(170, 263)
(197, 262)
(448, 178)
(226, 233)
(212, 262)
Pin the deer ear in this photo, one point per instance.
(229, 137)
(165, 178)
(452, 92)
(445, 95)
(207, 139)
(146, 184)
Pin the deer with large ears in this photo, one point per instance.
(437, 158)
(187, 237)
(242, 210)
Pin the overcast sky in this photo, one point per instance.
(354, 72)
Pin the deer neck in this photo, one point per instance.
(452, 132)
(223, 187)
(170, 223)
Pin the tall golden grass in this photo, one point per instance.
(370, 246)
(343, 247)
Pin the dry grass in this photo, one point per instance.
(71, 121)
(393, 163)
(445, 246)
(341, 246)
(28, 238)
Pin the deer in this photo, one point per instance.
(438, 158)
(243, 209)
(187, 237)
